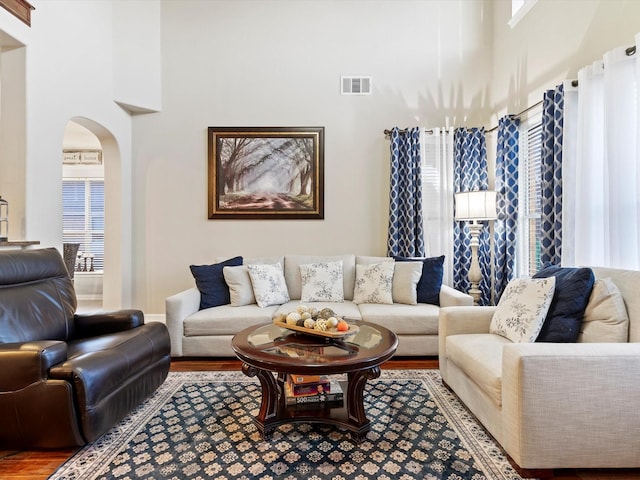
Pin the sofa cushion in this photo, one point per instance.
(402, 319)
(406, 276)
(226, 320)
(573, 289)
(294, 281)
(605, 317)
(322, 282)
(374, 283)
(479, 355)
(370, 260)
(211, 284)
(428, 288)
(239, 283)
(522, 309)
(269, 286)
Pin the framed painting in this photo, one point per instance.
(266, 172)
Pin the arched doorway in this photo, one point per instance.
(98, 157)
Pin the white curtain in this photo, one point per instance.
(601, 173)
(437, 195)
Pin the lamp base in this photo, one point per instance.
(475, 293)
(475, 274)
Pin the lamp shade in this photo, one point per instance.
(476, 205)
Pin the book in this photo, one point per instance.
(336, 395)
(309, 384)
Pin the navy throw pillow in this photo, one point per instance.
(564, 318)
(214, 291)
(428, 289)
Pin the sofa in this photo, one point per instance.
(554, 405)
(66, 378)
(207, 332)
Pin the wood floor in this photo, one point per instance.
(39, 464)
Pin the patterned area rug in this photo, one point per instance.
(199, 425)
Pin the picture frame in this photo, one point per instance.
(260, 173)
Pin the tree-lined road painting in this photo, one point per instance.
(264, 174)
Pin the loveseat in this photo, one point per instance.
(66, 378)
(555, 405)
(207, 332)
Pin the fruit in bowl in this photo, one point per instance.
(325, 320)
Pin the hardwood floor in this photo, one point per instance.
(39, 464)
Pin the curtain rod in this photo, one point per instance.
(628, 52)
(427, 130)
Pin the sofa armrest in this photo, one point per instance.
(22, 364)
(102, 323)
(177, 308)
(458, 321)
(586, 392)
(450, 297)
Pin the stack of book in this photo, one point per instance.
(305, 389)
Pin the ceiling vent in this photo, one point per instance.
(356, 85)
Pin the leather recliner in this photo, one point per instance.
(66, 378)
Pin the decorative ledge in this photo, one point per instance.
(20, 8)
(19, 243)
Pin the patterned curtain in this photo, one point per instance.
(505, 227)
(470, 173)
(551, 183)
(406, 230)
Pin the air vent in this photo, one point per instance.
(356, 85)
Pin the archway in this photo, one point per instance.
(115, 267)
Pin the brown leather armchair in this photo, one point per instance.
(66, 378)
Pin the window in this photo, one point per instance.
(83, 220)
(519, 9)
(528, 256)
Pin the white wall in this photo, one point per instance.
(136, 55)
(70, 71)
(551, 43)
(278, 63)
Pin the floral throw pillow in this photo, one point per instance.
(522, 309)
(322, 282)
(268, 284)
(374, 283)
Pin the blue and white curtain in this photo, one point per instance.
(506, 185)
(406, 230)
(551, 171)
(470, 173)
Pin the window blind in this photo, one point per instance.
(83, 218)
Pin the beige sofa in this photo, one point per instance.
(550, 405)
(208, 332)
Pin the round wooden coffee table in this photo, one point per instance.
(268, 349)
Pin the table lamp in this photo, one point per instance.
(475, 206)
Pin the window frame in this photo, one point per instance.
(90, 236)
(528, 242)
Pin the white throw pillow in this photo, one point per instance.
(374, 283)
(322, 282)
(523, 308)
(239, 282)
(406, 276)
(605, 319)
(268, 283)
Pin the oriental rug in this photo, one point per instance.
(199, 425)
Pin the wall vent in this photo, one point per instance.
(359, 85)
